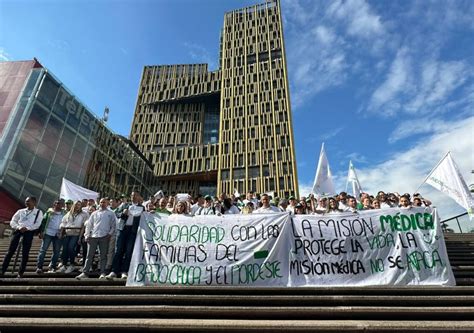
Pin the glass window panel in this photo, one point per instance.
(33, 190)
(72, 120)
(36, 121)
(85, 129)
(88, 154)
(45, 152)
(48, 92)
(52, 133)
(67, 142)
(59, 108)
(39, 169)
(56, 174)
(77, 156)
(21, 159)
(12, 183)
(71, 175)
(47, 198)
(28, 142)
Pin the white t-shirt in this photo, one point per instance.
(133, 211)
(270, 209)
(232, 210)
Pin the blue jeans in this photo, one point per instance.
(47, 240)
(69, 249)
(123, 250)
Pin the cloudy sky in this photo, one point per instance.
(387, 84)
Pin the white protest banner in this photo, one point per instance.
(211, 250)
(71, 191)
(377, 247)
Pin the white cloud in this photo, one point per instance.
(325, 35)
(318, 34)
(384, 99)
(4, 56)
(305, 189)
(404, 172)
(357, 158)
(201, 55)
(359, 17)
(330, 134)
(408, 128)
(436, 81)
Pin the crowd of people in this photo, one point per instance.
(109, 226)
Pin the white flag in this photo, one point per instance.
(323, 184)
(446, 178)
(354, 181)
(71, 191)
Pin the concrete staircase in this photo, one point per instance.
(52, 302)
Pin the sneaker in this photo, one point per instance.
(111, 276)
(82, 276)
(39, 271)
(124, 276)
(62, 269)
(102, 276)
(51, 270)
(70, 269)
(19, 276)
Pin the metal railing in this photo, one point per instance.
(444, 224)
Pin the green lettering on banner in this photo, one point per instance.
(402, 222)
(418, 260)
(377, 266)
(308, 251)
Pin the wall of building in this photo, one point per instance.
(256, 141)
(58, 137)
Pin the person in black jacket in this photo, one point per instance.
(127, 232)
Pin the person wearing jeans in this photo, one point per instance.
(50, 233)
(24, 222)
(71, 226)
(99, 228)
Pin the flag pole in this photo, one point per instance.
(347, 180)
(317, 165)
(449, 152)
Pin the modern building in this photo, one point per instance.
(227, 130)
(46, 134)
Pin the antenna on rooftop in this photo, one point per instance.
(106, 114)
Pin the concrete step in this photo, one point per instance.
(92, 324)
(236, 300)
(242, 312)
(95, 286)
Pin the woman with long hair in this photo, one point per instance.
(333, 206)
(71, 226)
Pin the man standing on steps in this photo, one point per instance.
(127, 232)
(50, 233)
(99, 228)
(24, 223)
